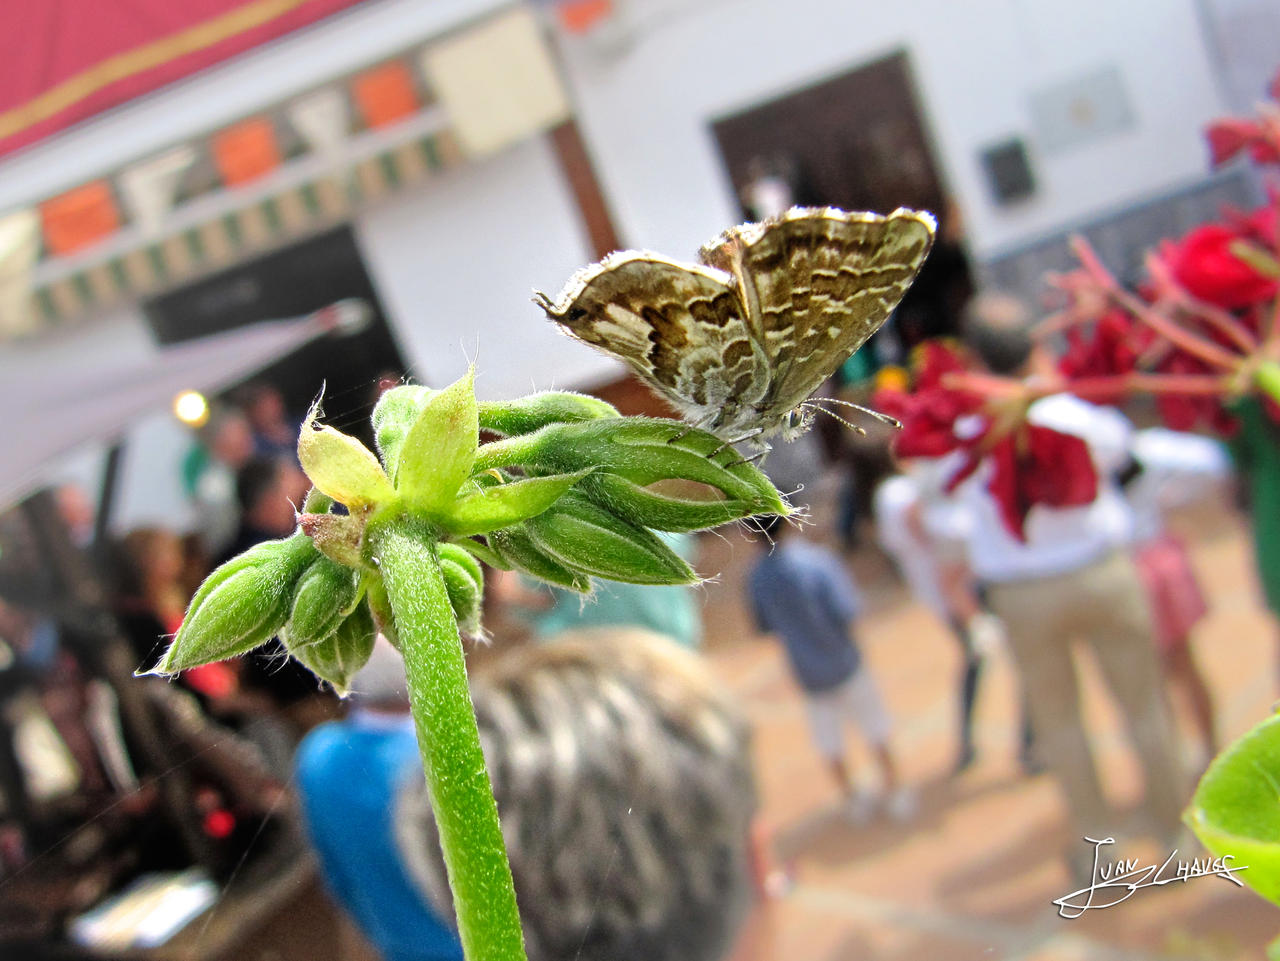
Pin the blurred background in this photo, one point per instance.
(210, 210)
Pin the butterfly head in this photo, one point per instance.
(796, 422)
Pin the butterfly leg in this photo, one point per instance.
(747, 460)
(701, 424)
(738, 440)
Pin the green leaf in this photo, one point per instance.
(341, 466)
(1236, 808)
(440, 448)
(506, 504)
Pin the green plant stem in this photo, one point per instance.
(461, 795)
(1267, 377)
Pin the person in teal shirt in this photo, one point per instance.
(673, 612)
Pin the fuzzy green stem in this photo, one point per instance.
(461, 795)
(1267, 377)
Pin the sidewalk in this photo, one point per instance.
(974, 874)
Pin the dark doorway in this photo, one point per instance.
(289, 283)
(856, 141)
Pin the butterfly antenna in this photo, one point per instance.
(847, 423)
(883, 418)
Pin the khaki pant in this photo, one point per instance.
(1104, 606)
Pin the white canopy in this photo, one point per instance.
(59, 393)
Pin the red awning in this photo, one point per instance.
(67, 60)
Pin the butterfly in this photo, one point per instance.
(738, 342)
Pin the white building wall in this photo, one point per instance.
(646, 104)
(455, 262)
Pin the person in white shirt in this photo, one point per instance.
(924, 531)
(1072, 580)
(1171, 469)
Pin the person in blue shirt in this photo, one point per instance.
(349, 775)
(802, 593)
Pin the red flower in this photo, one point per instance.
(1192, 411)
(1229, 136)
(928, 414)
(1035, 465)
(928, 421)
(1110, 348)
(932, 360)
(1204, 264)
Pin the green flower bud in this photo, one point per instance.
(524, 415)
(322, 599)
(341, 466)
(464, 581)
(440, 448)
(375, 593)
(661, 511)
(642, 450)
(587, 538)
(395, 413)
(458, 554)
(516, 549)
(241, 605)
(338, 657)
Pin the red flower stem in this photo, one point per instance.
(1199, 384)
(1221, 319)
(988, 385)
(1056, 323)
(1271, 327)
(1206, 350)
(1098, 388)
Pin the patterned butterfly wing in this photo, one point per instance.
(818, 282)
(681, 327)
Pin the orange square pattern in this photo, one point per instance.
(385, 94)
(246, 151)
(579, 16)
(79, 218)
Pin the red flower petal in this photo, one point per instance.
(1228, 137)
(1203, 263)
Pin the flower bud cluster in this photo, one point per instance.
(571, 490)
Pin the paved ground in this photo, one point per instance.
(974, 875)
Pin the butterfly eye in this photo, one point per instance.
(575, 313)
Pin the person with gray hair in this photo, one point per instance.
(624, 784)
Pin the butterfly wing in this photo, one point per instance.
(818, 282)
(681, 327)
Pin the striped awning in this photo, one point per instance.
(239, 223)
(284, 173)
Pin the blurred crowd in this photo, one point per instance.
(623, 772)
